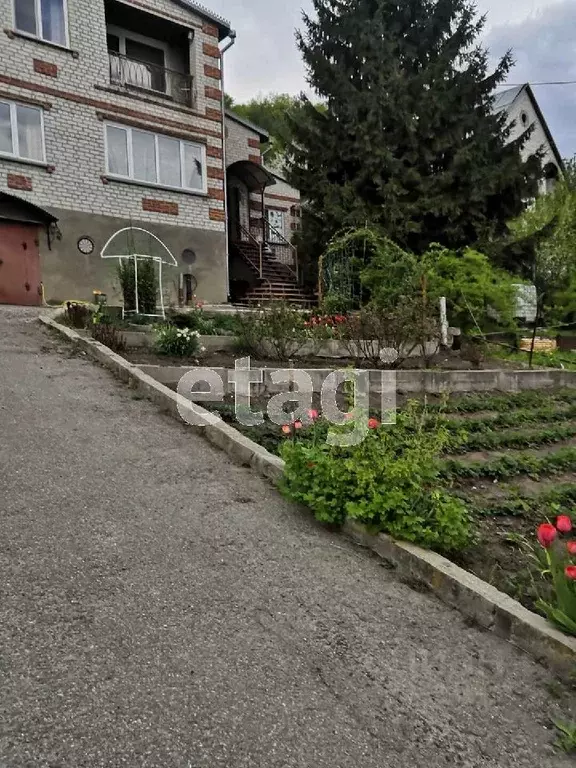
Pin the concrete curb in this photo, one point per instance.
(478, 601)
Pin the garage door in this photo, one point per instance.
(19, 264)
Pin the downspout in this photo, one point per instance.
(223, 50)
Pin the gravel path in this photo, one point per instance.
(161, 607)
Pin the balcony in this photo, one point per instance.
(147, 76)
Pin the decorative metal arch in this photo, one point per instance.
(166, 258)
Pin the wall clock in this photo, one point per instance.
(86, 245)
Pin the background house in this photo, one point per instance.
(522, 108)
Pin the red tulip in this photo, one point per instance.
(563, 523)
(286, 429)
(312, 414)
(546, 534)
(373, 423)
(570, 572)
(297, 425)
(571, 547)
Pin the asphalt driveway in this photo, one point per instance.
(163, 608)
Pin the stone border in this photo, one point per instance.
(478, 601)
(407, 382)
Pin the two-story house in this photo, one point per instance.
(111, 115)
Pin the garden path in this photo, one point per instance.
(162, 607)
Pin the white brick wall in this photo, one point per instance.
(290, 206)
(237, 137)
(538, 138)
(75, 135)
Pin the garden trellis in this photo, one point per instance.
(136, 244)
(342, 263)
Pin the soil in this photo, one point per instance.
(447, 361)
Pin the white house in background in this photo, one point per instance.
(522, 108)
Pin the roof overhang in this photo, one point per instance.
(224, 27)
(255, 176)
(261, 132)
(14, 208)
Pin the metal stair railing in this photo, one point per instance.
(251, 239)
(275, 237)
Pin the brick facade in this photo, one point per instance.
(74, 133)
(17, 181)
(241, 143)
(45, 68)
(74, 88)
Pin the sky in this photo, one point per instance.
(541, 33)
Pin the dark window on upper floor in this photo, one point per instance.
(44, 19)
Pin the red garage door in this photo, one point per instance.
(19, 264)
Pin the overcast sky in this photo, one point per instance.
(542, 34)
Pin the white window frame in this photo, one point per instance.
(131, 178)
(15, 154)
(281, 230)
(39, 35)
(124, 34)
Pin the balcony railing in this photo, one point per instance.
(133, 73)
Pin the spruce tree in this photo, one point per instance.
(408, 140)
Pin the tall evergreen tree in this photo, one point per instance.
(408, 139)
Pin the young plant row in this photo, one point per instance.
(544, 504)
(508, 420)
(487, 441)
(502, 403)
(511, 466)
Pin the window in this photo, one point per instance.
(275, 225)
(155, 159)
(21, 131)
(45, 19)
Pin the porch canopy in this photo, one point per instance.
(255, 176)
(14, 208)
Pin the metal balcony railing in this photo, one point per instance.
(151, 77)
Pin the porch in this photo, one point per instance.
(263, 261)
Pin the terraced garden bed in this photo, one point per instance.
(512, 459)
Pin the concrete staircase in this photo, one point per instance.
(278, 282)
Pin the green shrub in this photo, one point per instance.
(206, 325)
(390, 482)
(176, 342)
(147, 285)
(279, 331)
(106, 332)
(477, 292)
(77, 315)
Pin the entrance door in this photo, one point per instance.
(19, 264)
(276, 223)
(234, 216)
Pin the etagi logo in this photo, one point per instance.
(363, 388)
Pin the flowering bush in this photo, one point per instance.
(390, 482)
(558, 567)
(177, 342)
(325, 327)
